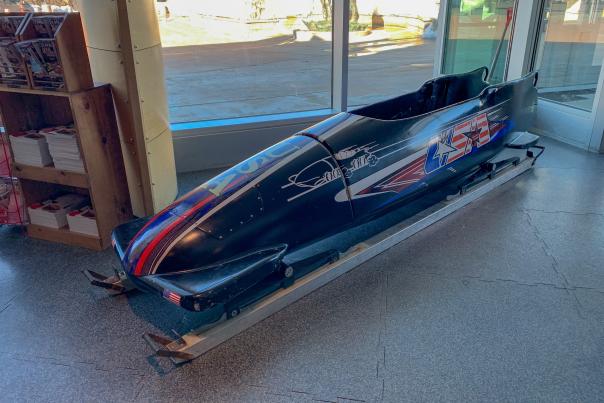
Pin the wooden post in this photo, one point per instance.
(125, 50)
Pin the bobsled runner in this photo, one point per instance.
(300, 203)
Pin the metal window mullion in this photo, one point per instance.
(596, 137)
(442, 21)
(523, 38)
(339, 64)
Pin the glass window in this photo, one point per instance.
(478, 34)
(569, 53)
(391, 47)
(234, 58)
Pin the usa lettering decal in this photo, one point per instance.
(457, 141)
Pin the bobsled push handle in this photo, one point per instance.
(489, 93)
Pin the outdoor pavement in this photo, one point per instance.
(501, 301)
(280, 75)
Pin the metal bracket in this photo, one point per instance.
(162, 347)
(113, 283)
(534, 156)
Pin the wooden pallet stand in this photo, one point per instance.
(93, 116)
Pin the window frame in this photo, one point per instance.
(578, 127)
(196, 142)
(445, 12)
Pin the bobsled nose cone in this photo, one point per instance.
(123, 234)
(144, 244)
(204, 287)
(229, 193)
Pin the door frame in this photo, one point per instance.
(443, 31)
(439, 56)
(580, 128)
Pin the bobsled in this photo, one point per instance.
(292, 207)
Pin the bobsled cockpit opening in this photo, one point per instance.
(433, 95)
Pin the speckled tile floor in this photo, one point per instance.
(503, 300)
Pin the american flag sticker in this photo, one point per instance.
(171, 296)
(475, 130)
(458, 141)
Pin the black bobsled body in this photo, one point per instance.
(239, 228)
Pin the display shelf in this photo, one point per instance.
(93, 116)
(35, 92)
(63, 235)
(62, 118)
(50, 175)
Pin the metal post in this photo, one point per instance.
(523, 37)
(443, 20)
(339, 65)
(596, 138)
(508, 21)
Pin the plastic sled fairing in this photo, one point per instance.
(236, 230)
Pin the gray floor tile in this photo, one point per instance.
(575, 242)
(552, 190)
(68, 326)
(475, 242)
(469, 340)
(560, 155)
(472, 308)
(46, 380)
(591, 303)
(324, 347)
